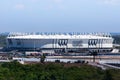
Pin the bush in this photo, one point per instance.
(57, 61)
(78, 61)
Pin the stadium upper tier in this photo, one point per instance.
(59, 36)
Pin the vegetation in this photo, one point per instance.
(116, 39)
(55, 71)
(94, 53)
(2, 40)
(42, 58)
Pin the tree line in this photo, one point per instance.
(55, 71)
(3, 40)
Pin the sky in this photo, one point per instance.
(59, 15)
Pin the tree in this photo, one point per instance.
(107, 75)
(3, 40)
(94, 53)
(42, 58)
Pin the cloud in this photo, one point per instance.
(109, 2)
(34, 0)
(44, 4)
(19, 6)
(59, 4)
(54, 4)
(58, 1)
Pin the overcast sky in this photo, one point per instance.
(59, 15)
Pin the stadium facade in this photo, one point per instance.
(60, 41)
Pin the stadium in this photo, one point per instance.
(60, 42)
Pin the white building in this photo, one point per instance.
(55, 41)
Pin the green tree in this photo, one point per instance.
(107, 75)
(42, 58)
(3, 40)
(94, 54)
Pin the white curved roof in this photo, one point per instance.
(58, 36)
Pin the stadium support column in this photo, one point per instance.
(66, 45)
(34, 45)
(52, 42)
(88, 44)
(99, 43)
(55, 44)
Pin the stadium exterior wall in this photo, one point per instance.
(33, 41)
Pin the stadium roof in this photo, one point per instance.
(59, 36)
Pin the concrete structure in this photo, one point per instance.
(60, 41)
